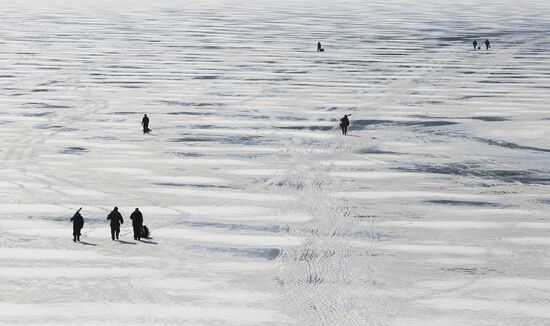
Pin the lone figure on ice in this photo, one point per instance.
(319, 48)
(145, 124)
(344, 123)
(78, 224)
(475, 44)
(137, 223)
(116, 221)
(487, 44)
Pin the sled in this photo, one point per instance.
(145, 231)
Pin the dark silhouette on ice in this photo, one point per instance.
(137, 223)
(78, 224)
(319, 48)
(145, 124)
(475, 44)
(116, 221)
(487, 44)
(344, 124)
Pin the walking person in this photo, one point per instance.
(116, 221)
(78, 224)
(145, 124)
(475, 44)
(137, 223)
(487, 44)
(344, 124)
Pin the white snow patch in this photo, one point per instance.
(403, 194)
(242, 213)
(122, 312)
(529, 241)
(122, 170)
(501, 307)
(37, 272)
(255, 172)
(444, 225)
(374, 175)
(48, 254)
(238, 238)
(236, 195)
(184, 179)
(433, 249)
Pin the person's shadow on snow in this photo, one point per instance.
(126, 242)
(149, 242)
(87, 243)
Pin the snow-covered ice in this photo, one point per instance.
(433, 211)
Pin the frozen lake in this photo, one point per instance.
(433, 211)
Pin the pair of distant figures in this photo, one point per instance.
(487, 45)
(474, 43)
(140, 230)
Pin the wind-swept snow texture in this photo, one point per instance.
(433, 211)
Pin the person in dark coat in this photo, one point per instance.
(487, 44)
(116, 221)
(78, 224)
(137, 223)
(344, 123)
(319, 48)
(145, 124)
(475, 44)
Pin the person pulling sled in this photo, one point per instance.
(319, 47)
(145, 124)
(137, 223)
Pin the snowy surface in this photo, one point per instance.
(433, 211)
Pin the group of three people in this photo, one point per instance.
(116, 220)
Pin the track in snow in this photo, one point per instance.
(432, 211)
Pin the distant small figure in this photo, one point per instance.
(487, 44)
(137, 223)
(116, 221)
(475, 44)
(78, 224)
(145, 124)
(344, 123)
(319, 48)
